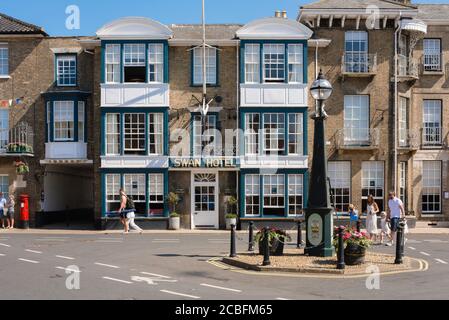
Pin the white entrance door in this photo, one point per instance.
(205, 200)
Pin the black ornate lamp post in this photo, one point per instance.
(319, 213)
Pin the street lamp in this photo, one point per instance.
(319, 213)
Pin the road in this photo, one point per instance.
(175, 266)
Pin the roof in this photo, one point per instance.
(274, 28)
(357, 4)
(134, 28)
(10, 25)
(213, 31)
(433, 11)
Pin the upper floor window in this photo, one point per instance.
(64, 121)
(356, 51)
(205, 135)
(66, 70)
(4, 128)
(274, 62)
(211, 66)
(112, 60)
(274, 132)
(4, 60)
(432, 54)
(356, 120)
(156, 63)
(134, 61)
(295, 63)
(252, 63)
(432, 122)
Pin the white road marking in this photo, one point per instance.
(66, 258)
(220, 288)
(441, 261)
(2, 255)
(5, 245)
(413, 241)
(282, 299)
(166, 240)
(109, 241)
(155, 275)
(435, 241)
(30, 261)
(117, 280)
(68, 269)
(60, 240)
(33, 251)
(412, 248)
(106, 265)
(180, 294)
(151, 281)
(424, 253)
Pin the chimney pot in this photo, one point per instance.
(284, 14)
(277, 14)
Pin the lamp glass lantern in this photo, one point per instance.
(321, 88)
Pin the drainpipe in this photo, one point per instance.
(237, 103)
(397, 34)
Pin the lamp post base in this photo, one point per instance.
(320, 230)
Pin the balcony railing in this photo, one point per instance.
(358, 138)
(434, 136)
(432, 62)
(408, 68)
(409, 139)
(18, 140)
(359, 64)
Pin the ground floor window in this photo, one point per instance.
(4, 185)
(340, 184)
(279, 195)
(431, 187)
(147, 190)
(373, 178)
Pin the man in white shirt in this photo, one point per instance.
(395, 213)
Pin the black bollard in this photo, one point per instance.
(359, 225)
(266, 245)
(341, 251)
(299, 245)
(251, 237)
(400, 244)
(233, 250)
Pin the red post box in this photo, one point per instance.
(25, 211)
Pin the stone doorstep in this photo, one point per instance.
(248, 266)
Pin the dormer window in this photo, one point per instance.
(134, 62)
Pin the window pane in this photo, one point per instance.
(431, 187)
(4, 60)
(134, 127)
(295, 63)
(156, 63)
(373, 183)
(356, 53)
(63, 120)
(205, 136)
(81, 122)
(340, 179)
(252, 63)
(113, 185)
(252, 125)
(156, 194)
(4, 128)
(66, 70)
(274, 62)
(113, 146)
(295, 134)
(274, 133)
(252, 195)
(156, 133)
(432, 122)
(211, 66)
(432, 54)
(295, 194)
(356, 120)
(112, 59)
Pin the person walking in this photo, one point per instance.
(11, 206)
(128, 213)
(3, 212)
(395, 213)
(372, 209)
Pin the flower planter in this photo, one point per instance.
(230, 222)
(276, 248)
(354, 255)
(174, 223)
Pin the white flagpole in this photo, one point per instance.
(204, 63)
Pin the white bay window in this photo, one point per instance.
(134, 62)
(134, 133)
(156, 133)
(64, 118)
(295, 63)
(112, 60)
(252, 63)
(274, 194)
(156, 194)
(113, 125)
(156, 63)
(274, 62)
(295, 194)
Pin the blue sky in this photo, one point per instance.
(50, 14)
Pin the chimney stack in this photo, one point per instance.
(277, 14)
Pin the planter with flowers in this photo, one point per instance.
(355, 245)
(276, 241)
(21, 167)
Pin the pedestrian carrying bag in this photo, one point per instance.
(130, 204)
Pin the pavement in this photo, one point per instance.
(180, 265)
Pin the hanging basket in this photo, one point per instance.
(22, 168)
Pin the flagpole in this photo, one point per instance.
(204, 61)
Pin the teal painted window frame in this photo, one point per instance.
(122, 43)
(286, 112)
(50, 135)
(58, 55)
(286, 172)
(146, 111)
(192, 68)
(261, 64)
(192, 133)
(146, 172)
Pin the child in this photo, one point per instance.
(10, 205)
(385, 228)
(353, 216)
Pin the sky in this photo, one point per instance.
(51, 14)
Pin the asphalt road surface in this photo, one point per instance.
(175, 266)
